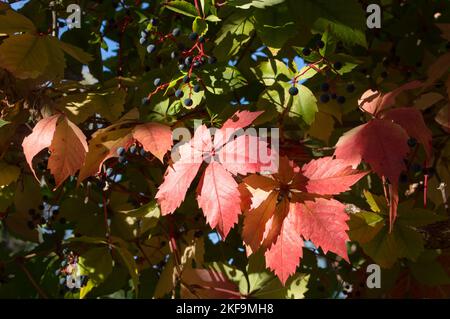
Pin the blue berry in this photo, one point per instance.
(142, 40)
(120, 151)
(154, 22)
(143, 152)
(325, 87)
(320, 44)
(306, 51)
(337, 65)
(182, 66)
(197, 88)
(132, 149)
(173, 55)
(144, 34)
(193, 36)
(145, 101)
(188, 61)
(340, 99)
(188, 102)
(350, 88)
(412, 142)
(179, 94)
(157, 82)
(122, 159)
(201, 39)
(176, 32)
(186, 79)
(324, 98)
(151, 48)
(293, 90)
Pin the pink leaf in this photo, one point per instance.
(284, 255)
(411, 120)
(374, 102)
(239, 120)
(68, 151)
(40, 138)
(380, 143)
(219, 198)
(323, 221)
(155, 138)
(328, 176)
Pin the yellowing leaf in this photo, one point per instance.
(12, 22)
(8, 174)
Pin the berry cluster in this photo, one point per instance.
(43, 215)
(330, 94)
(414, 169)
(189, 59)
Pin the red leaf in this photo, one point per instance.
(207, 284)
(324, 223)
(380, 143)
(219, 198)
(284, 255)
(374, 102)
(241, 155)
(177, 180)
(40, 138)
(411, 120)
(328, 176)
(68, 151)
(155, 138)
(239, 120)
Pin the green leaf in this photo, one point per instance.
(199, 26)
(364, 226)
(12, 22)
(234, 34)
(8, 174)
(304, 104)
(345, 19)
(182, 7)
(76, 52)
(223, 79)
(269, 72)
(247, 4)
(3, 123)
(130, 263)
(213, 18)
(97, 264)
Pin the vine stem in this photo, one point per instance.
(33, 282)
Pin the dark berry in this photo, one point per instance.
(334, 96)
(154, 22)
(197, 88)
(306, 51)
(293, 90)
(120, 151)
(188, 61)
(325, 87)
(337, 65)
(340, 99)
(122, 159)
(179, 94)
(186, 79)
(41, 207)
(176, 32)
(403, 178)
(196, 64)
(55, 211)
(350, 88)
(193, 36)
(320, 44)
(145, 101)
(188, 102)
(201, 39)
(212, 59)
(324, 98)
(143, 152)
(157, 82)
(132, 149)
(151, 48)
(30, 224)
(144, 34)
(416, 167)
(142, 40)
(412, 142)
(173, 55)
(182, 67)
(198, 234)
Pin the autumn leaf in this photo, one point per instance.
(66, 142)
(154, 137)
(293, 205)
(68, 151)
(218, 194)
